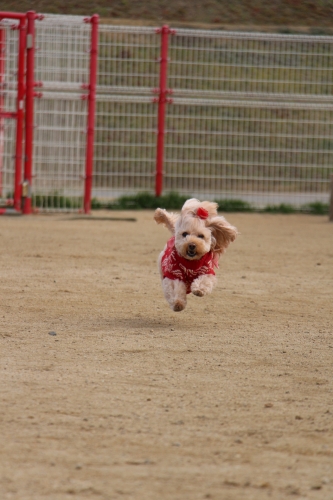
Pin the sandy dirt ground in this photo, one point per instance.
(230, 399)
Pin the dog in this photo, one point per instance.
(200, 236)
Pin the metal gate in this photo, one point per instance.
(65, 75)
(54, 89)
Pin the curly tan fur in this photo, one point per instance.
(223, 233)
(192, 205)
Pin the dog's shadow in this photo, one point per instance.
(141, 323)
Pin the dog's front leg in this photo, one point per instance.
(175, 293)
(203, 285)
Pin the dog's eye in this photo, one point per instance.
(201, 236)
(184, 235)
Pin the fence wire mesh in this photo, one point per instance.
(59, 152)
(128, 59)
(251, 116)
(62, 53)
(62, 68)
(126, 118)
(251, 64)
(8, 86)
(125, 146)
(262, 153)
(7, 157)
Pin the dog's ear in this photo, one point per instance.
(161, 216)
(223, 233)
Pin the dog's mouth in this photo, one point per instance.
(191, 253)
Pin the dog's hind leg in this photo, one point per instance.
(175, 294)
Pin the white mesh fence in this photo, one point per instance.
(8, 86)
(261, 152)
(59, 151)
(251, 64)
(128, 59)
(62, 52)
(251, 116)
(125, 146)
(7, 160)
(126, 118)
(62, 66)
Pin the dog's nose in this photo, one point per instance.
(191, 247)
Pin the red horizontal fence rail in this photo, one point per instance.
(12, 15)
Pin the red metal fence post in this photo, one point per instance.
(94, 20)
(2, 81)
(20, 114)
(29, 113)
(162, 100)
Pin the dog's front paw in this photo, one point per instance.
(178, 306)
(203, 285)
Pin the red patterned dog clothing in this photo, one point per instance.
(176, 267)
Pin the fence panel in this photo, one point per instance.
(126, 116)
(62, 55)
(9, 47)
(258, 125)
(125, 146)
(260, 152)
(128, 60)
(251, 65)
(59, 151)
(62, 72)
(7, 155)
(251, 116)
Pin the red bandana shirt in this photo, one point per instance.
(176, 267)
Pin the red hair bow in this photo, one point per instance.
(202, 213)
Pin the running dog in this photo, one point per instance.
(188, 260)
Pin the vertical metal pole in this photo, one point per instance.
(94, 20)
(2, 82)
(29, 113)
(20, 114)
(331, 201)
(165, 31)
